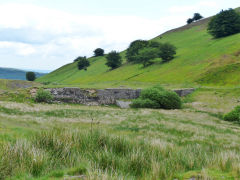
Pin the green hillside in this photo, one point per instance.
(200, 60)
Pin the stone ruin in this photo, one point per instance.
(101, 96)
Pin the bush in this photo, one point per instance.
(98, 52)
(233, 116)
(167, 52)
(144, 103)
(197, 17)
(43, 96)
(83, 63)
(133, 49)
(141, 51)
(30, 76)
(224, 24)
(190, 20)
(154, 44)
(114, 60)
(145, 55)
(157, 97)
(79, 58)
(169, 100)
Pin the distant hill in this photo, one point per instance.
(15, 74)
(200, 60)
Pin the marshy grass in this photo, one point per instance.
(59, 152)
(57, 141)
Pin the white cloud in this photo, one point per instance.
(18, 48)
(199, 6)
(41, 34)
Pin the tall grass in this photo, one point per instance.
(95, 152)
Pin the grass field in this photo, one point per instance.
(200, 60)
(57, 141)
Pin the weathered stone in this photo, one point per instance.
(123, 104)
(184, 92)
(101, 96)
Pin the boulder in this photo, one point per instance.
(123, 104)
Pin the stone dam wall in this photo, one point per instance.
(101, 96)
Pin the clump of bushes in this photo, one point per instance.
(157, 98)
(233, 116)
(43, 96)
(224, 24)
(145, 52)
(133, 49)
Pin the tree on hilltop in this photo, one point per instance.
(190, 20)
(98, 52)
(197, 16)
(224, 24)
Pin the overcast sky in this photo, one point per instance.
(46, 34)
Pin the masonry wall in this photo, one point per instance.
(101, 96)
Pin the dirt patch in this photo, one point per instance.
(202, 23)
(237, 54)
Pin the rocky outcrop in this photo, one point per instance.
(101, 96)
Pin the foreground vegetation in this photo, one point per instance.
(57, 141)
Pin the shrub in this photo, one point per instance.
(98, 52)
(157, 97)
(145, 55)
(133, 49)
(30, 76)
(114, 60)
(224, 24)
(197, 16)
(144, 103)
(167, 52)
(190, 20)
(141, 51)
(43, 96)
(233, 116)
(154, 44)
(169, 100)
(79, 58)
(83, 63)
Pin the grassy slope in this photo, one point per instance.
(200, 59)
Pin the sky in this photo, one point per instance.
(47, 34)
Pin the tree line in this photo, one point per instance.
(139, 51)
